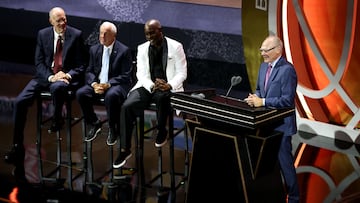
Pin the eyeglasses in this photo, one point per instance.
(267, 50)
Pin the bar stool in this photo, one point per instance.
(163, 192)
(87, 154)
(55, 175)
(89, 162)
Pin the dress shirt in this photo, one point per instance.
(104, 73)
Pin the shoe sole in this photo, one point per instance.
(111, 143)
(91, 139)
(161, 144)
(122, 163)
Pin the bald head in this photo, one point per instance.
(57, 19)
(110, 27)
(153, 23)
(107, 33)
(271, 48)
(153, 32)
(275, 40)
(54, 11)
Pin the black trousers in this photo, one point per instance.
(113, 99)
(26, 98)
(135, 104)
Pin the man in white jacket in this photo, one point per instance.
(161, 69)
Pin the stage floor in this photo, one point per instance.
(98, 192)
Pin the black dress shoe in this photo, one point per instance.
(121, 159)
(56, 126)
(95, 129)
(16, 155)
(112, 137)
(161, 139)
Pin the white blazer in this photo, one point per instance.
(176, 66)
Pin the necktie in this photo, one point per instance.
(58, 56)
(268, 71)
(104, 73)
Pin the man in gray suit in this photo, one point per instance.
(161, 69)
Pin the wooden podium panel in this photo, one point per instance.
(235, 149)
(231, 168)
(207, 104)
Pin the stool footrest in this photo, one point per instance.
(54, 181)
(149, 183)
(125, 173)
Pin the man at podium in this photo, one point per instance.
(276, 87)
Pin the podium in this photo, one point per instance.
(235, 149)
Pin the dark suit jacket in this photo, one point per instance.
(281, 91)
(120, 65)
(74, 55)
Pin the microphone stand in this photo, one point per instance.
(234, 81)
(229, 90)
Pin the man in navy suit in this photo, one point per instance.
(161, 69)
(278, 90)
(108, 79)
(68, 76)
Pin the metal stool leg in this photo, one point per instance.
(57, 170)
(187, 155)
(139, 142)
(162, 192)
(68, 143)
(139, 152)
(38, 139)
(111, 157)
(68, 128)
(172, 161)
(111, 186)
(172, 134)
(88, 164)
(87, 159)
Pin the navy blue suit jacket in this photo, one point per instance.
(74, 55)
(120, 65)
(280, 93)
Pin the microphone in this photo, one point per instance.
(198, 95)
(235, 80)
